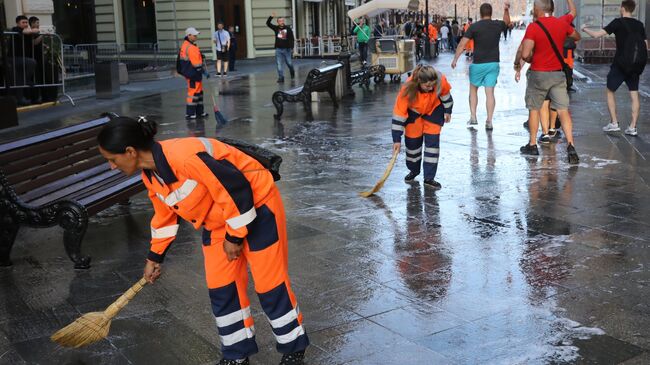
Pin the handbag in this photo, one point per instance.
(568, 72)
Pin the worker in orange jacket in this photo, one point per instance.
(432, 32)
(423, 106)
(232, 198)
(469, 47)
(190, 65)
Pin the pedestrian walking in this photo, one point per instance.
(484, 70)
(362, 30)
(455, 34)
(190, 65)
(546, 77)
(629, 62)
(233, 199)
(232, 50)
(379, 29)
(469, 46)
(221, 40)
(444, 36)
(423, 106)
(284, 41)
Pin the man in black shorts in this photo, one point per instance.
(624, 28)
(222, 44)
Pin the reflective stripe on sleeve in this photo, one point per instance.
(164, 232)
(242, 220)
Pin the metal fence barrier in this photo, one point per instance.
(35, 65)
(138, 57)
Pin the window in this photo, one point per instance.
(74, 21)
(139, 21)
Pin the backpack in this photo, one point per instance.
(635, 53)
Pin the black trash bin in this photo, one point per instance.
(107, 80)
(8, 112)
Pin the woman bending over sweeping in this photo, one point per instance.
(422, 107)
(234, 200)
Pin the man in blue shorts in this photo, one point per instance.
(484, 71)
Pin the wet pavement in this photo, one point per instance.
(515, 261)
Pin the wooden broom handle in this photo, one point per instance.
(123, 300)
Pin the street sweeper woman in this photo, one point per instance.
(422, 107)
(233, 199)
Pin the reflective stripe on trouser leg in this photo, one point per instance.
(431, 155)
(199, 103)
(193, 88)
(227, 283)
(266, 250)
(413, 153)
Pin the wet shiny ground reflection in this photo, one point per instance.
(514, 261)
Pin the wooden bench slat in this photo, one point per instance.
(126, 189)
(6, 147)
(73, 189)
(61, 167)
(26, 163)
(25, 186)
(98, 187)
(46, 146)
(33, 194)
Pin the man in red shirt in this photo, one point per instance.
(545, 77)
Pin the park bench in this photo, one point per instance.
(58, 177)
(360, 74)
(318, 79)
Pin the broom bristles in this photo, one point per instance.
(381, 181)
(92, 327)
(89, 328)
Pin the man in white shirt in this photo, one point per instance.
(221, 40)
(444, 35)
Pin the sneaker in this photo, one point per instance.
(217, 75)
(529, 150)
(472, 122)
(411, 176)
(203, 115)
(280, 80)
(432, 184)
(552, 132)
(611, 127)
(572, 155)
(545, 138)
(190, 116)
(631, 131)
(294, 358)
(234, 362)
(225, 74)
(488, 125)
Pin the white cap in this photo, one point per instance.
(191, 31)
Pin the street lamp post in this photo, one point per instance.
(427, 44)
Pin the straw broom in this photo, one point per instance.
(94, 326)
(381, 181)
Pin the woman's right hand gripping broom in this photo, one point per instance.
(396, 146)
(151, 271)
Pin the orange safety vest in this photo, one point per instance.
(206, 182)
(191, 61)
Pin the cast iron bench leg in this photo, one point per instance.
(8, 232)
(278, 99)
(74, 221)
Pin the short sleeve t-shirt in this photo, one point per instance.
(444, 32)
(486, 34)
(221, 37)
(620, 31)
(544, 58)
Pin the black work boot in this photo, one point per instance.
(411, 176)
(432, 184)
(280, 80)
(234, 362)
(572, 155)
(295, 358)
(529, 150)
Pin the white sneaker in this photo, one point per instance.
(472, 122)
(611, 127)
(631, 131)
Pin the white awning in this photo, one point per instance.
(379, 6)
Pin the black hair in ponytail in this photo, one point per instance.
(122, 132)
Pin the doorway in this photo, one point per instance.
(231, 12)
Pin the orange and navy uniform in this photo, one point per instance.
(469, 46)
(191, 63)
(422, 120)
(433, 33)
(230, 196)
